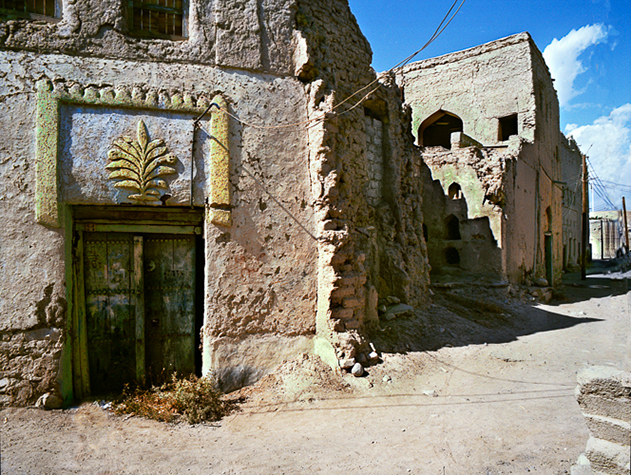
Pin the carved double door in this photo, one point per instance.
(139, 307)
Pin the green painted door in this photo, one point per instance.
(169, 263)
(110, 310)
(139, 307)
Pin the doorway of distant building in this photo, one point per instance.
(548, 247)
(436, 130)
(137, 278)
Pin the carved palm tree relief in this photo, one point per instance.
(138, 165)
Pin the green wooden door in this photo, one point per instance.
(169, 263)
(139, 307)
(110, 310)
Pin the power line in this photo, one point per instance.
(599, 187)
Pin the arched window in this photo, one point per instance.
(436, 130)
(455, 192)
(452, 256)
(425, 232)
(452, 228)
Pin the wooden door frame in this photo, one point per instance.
(140, 220)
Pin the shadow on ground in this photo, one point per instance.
(470, 314)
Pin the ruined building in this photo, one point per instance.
(184, 189)
(198, 188)
(499, 190)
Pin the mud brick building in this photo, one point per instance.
(501, 176)
(139, 239)
(195, 188)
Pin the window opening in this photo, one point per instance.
(452, 226)
(436, 130)
(28, 7)
(425, 233)
(455, 192)
(452, 256)
(158, 18)
(507, 127)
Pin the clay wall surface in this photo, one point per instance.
(251, 34)
(481, 86)
(307, 230)
(261, 270)
(570, 157)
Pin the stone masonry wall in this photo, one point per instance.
(604, 396)
(365, 251)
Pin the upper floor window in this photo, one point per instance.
(158, 18)
(30, 8)
(507, 126)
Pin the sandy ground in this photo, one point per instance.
(477, 384)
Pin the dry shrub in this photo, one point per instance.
(196, 399)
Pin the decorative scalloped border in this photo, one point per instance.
(49, 98)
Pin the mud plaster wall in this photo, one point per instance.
(250, 34)
(261, 272)
(570, 157)
(365, 251)
(481, 85)
(302, 232)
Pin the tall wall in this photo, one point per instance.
(306, 230)
(368, 207)
(485, 86)
(570, 157)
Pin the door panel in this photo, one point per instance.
(109, 304)
(169, 266)
(139, 307)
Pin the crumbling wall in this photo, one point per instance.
(604, 396)
(319, 227)
(494, 88)
(368, 248)
(261, 272)
(480, 175)
(571, 166)
(480, 85)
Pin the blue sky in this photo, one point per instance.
(586, 43)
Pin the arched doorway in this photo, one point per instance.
(454, 191)
(452, 228)
(436, 130)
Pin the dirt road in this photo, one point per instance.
(495, 395)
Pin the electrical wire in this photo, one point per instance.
(599, 187)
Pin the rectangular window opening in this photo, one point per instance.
(158, 18)
(31, 8)
(507, 127)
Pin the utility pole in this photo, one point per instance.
(626, 224)
(585, 221)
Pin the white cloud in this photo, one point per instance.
(562, 58)
(607, 142)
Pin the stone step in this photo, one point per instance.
(607, 457)
(608, 428)
(619, 408)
